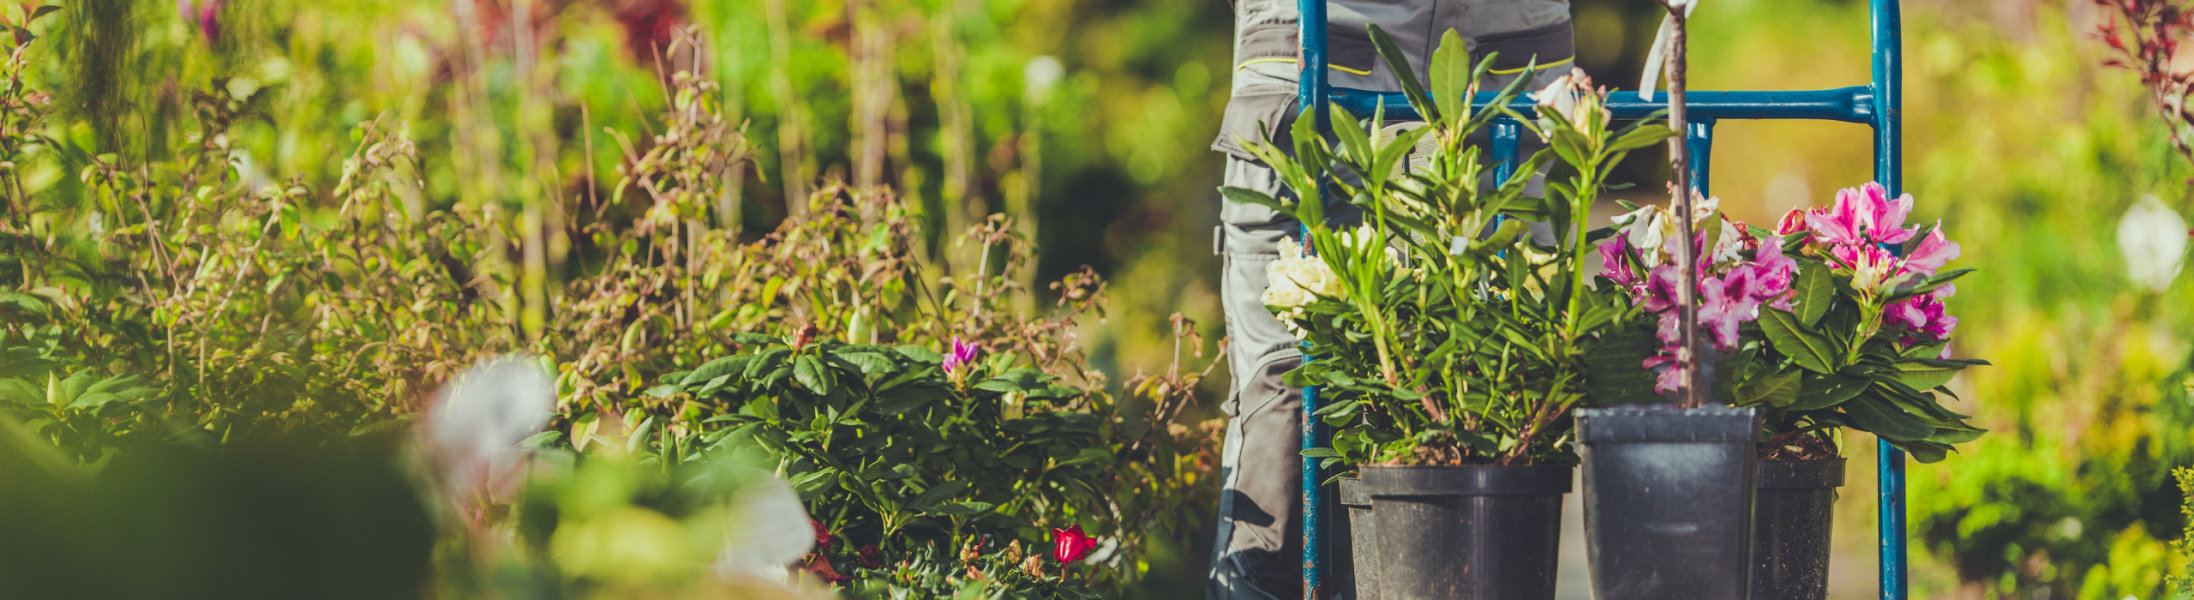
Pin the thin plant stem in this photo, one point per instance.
(1692, 392)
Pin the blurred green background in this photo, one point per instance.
(1089, 121)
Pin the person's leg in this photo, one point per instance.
(1258, 553)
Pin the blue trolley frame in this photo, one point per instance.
(1878, 105)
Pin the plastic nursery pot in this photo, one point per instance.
(1358, 567)
(1668, 501)
(1473, 531)
(1791, 522)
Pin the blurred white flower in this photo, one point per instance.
(2153, 238)
(478, 420)
(1040, 74)
(769, 530)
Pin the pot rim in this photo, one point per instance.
(1664, 423)
(1819, 474)
(1466, 480)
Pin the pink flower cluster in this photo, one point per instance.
(1732, 285)
(1854, 232)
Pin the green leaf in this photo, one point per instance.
(1876, 416)
(1777, 390)
(1813, 292)
(1399, 64)
(1924, 374)
(1925, 452)
(1819, 391)
(1451, 76)
(809, 372)
(937, 493)
(870, 363)
(1248, 196)
(1794, 340)
(1354, 139)
(1086, 456)
(920, 354)
(93, 399)
(717, 368)
(1321, 453)
(1641, 136)
(1955, 435)
(962, 508)
(910, 398)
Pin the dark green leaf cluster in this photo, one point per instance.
(886, 447)
(1823, 364)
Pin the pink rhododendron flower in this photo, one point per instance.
(1614, 259)
(1922, 315)
(1660, 292)
(1932, 252)
(1728, 301)
(1070, 544)
(963, 355)
(1774, 273)
(1862, 215)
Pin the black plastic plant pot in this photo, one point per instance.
(1792, 519)
(1668, 501)
(1358, 565)
(1474, 531)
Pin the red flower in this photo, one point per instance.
(822, 535)
(871, 556)
(1070, 544)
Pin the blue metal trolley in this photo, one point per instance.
(1878, 105)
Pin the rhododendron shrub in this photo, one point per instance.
(1833, 319)
(1443, 334)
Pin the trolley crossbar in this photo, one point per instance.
(1850, 104)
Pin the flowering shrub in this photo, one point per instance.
(1735, 279)
(1834, 319)
(1443, 334)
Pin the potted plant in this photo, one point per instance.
(1451, 344)
(1669, 486)
(1862, 343)
(1832, 320)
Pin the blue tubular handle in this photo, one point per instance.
(1889, 170)
(1700, 144)
(1310, 94)
(1850, 105)
(1507, 134)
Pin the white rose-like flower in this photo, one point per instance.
(1558, 96)
(1728, 248)
(1649, 227)
(1296, 280)
(2153, 238)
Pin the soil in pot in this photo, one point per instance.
(1470, 531)
(1792, 519)
(1358, 564)
(1668, 501)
